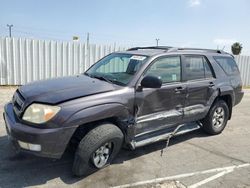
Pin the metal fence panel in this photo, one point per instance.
(25, 60)
(244, 66)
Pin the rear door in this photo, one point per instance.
(201, 90)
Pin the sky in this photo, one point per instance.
(183, 23)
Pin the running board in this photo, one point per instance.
(181, 129)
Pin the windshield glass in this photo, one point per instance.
(117, 68)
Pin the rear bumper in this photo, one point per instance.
(239, 97)
(53, 142)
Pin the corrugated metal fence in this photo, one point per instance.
(244, 66)
(25, 60)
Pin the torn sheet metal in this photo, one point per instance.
(159, 116)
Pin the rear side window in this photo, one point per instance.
(197, 67)
(227, 64)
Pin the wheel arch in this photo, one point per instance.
(228, 99)
(88, 119)
(227, 95)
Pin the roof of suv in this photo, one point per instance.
(154, 50)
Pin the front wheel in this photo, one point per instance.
(97, 149)
(216, 119)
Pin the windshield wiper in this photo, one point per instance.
(101, 78)
(87, 74)
(118, 83)
(105, 79)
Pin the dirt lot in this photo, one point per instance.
(194, 159)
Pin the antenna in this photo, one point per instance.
(9, 26)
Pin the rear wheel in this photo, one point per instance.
(97, 149)
(216, 119)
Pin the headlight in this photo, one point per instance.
(40, 113)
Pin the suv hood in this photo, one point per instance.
(57, 90)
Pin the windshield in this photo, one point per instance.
(117, 68)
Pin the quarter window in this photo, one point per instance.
(228, 64)
(167, 68)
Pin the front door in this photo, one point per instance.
(161, 108)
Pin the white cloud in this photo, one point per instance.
(187, 44)
(194, 3)
(224, 41)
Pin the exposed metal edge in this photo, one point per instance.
(187, 130)
(165, 136)
(152, 140)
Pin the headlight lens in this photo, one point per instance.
(40, 113)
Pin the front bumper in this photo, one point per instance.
(53, 142)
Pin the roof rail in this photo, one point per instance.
(151, 47)
(197, 49)
(174, 49)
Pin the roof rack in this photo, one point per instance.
(174, 49)
(196, 49)
(151, 47)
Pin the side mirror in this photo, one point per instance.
(151, 82)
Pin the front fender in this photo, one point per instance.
(99, 112)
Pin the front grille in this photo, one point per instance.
(18, 103)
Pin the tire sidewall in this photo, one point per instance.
(83, 163)
(116, 145)
(223, 105)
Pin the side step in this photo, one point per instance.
(181, 129)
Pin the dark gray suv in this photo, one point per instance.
(130, 99)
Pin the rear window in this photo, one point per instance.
(227, 64)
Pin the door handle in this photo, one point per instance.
(211, 84)
(179, 89)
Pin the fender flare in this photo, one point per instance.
(228, 91)
(101, 112)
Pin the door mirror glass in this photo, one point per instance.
(151, 82)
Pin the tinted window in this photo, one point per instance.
(194, 68)
(228, 64)
(168, 68)
(208, 71)
(197, 67)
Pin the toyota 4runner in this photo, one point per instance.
(127, 99)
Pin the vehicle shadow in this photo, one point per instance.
(21, 170)
(160, 146)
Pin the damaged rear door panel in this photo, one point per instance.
(201, 87)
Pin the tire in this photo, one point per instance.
(102, 143)
(216, 119)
